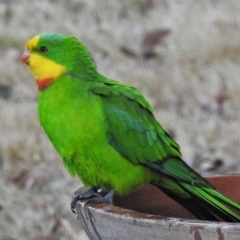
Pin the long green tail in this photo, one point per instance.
(204, 201)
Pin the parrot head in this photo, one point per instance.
(50, 55)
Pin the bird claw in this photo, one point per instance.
(100, 199)
(92, 192)
(95, 196)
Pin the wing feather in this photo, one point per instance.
(131, 126)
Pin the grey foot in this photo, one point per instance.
(108, 198)
(92, 192)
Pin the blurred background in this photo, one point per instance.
(183, 55)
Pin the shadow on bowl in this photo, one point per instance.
(148, 213)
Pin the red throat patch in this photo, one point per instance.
(43, 83)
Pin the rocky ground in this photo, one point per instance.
(183, 55)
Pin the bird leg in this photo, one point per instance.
(92, 192)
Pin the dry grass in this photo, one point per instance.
(193, 84)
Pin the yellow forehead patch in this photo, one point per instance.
(32, 42)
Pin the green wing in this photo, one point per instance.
(132, 128)
(135, 133)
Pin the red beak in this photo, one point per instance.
(25, 57)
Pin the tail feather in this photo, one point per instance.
(224, 199)
(199, 210)
(219, 215)
(193, 191)
(215, 202)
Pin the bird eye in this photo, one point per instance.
(43, 49)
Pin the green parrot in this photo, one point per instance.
(106, 133)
